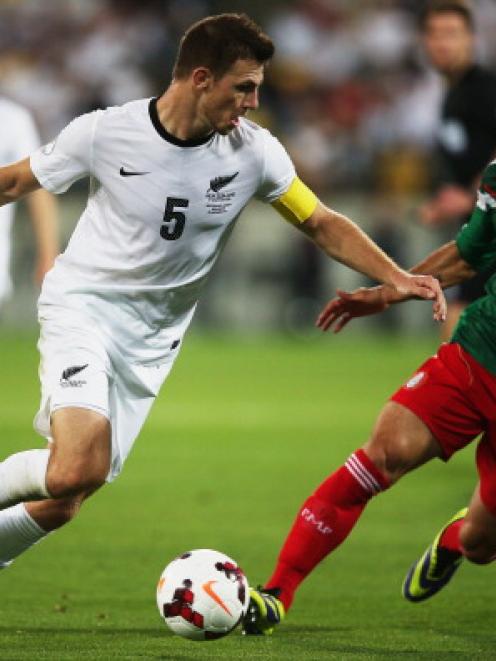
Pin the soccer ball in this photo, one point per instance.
(202, 595)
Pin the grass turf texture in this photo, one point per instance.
(241, 433)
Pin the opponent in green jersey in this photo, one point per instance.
(448, 403)
(476, 243)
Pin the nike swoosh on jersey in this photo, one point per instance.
(128, 173)
(211, 593)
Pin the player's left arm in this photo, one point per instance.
(473, 250)
(44, 218)
(344, 241)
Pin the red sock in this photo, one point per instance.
(450, 539)
(324, 521)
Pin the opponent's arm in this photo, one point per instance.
(445, 263)
(16, 180)
(344, 241)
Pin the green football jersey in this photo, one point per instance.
(476, 241)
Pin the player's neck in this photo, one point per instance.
(178, 115)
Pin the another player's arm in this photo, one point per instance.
(17, 180)
(473, 250)
(446, 264)
(344, 241)
(44, 218)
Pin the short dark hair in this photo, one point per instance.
(217, 42)
(460, 7)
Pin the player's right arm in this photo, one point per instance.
(55, 166)
(17, 180)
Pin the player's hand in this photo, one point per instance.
(366, 301)
(410, 285)
(349, 305)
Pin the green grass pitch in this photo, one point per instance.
(241, 433)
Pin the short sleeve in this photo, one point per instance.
(68, 158)
(476, 241)
(278, 170)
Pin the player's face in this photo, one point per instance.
(449, 42)
(233, 95)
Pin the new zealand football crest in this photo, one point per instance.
(219, 200)
(67, 378)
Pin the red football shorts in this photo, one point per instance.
(455, 396)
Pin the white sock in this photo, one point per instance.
(18, 532)
(23, 477)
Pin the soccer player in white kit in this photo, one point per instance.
(18, 139)
(168, 180)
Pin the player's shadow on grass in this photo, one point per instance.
(334, 648)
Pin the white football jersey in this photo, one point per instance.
(158, 214)
(18, 139)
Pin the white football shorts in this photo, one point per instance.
(81, 368)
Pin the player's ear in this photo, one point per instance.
(202, 78)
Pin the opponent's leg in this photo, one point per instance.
(399, 443)
(435, 568)
(477, 535)
(470, 534)
(78, 465)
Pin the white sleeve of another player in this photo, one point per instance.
(26, 138)
(68, 158)
(278, 170)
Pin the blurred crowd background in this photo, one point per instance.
(349, 94)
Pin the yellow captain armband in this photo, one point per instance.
(297, 204)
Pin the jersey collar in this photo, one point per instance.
(163, 133)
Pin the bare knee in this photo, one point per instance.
(388, 455)
(80, 455)
(477, 545)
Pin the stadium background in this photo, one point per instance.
(259, 407)
(348, 94)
